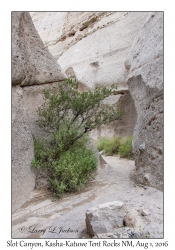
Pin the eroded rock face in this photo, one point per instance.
(123, 127)
(145, 83)
(120, 220)
(32, 100)
(32, 64)
(105, 217)
(92, 47)
(31, 61)
(23, 177)
(94, 44)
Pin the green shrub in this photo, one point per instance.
(101, 144)
(41, 153)
(116, 145)
(67, 116)
(125, 149)
(72, 170)
(109, 145)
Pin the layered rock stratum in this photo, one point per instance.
(91, 45)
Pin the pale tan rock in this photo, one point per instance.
(130, 219)
(133, 219)
(92, 47)
(104, 218)
(145, 212)
(94, 44)
(125, 126)
(23, 176)
(117, 219)
(32, 63)
(111, 183)
(145, 83)
(32, 100)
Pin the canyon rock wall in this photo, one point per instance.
(99, 49)
(32, 64)
(93, 46)
(23, 177)
(126, 48)
(123, 127)
(145, 81)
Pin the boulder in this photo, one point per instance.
(145, 81)
(134, 219)
(104, 218)
(32, 63)
(118, 220)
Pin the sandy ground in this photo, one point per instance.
(43, 216)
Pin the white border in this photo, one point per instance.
(5, 94)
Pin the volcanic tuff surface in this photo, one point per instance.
(145, 83)
(98, 48)
(32, 64)
(91, 45)
(31, 61)
(126, 48)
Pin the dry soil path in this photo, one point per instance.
(44, 217)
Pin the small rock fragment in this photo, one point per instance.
(145, 212)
